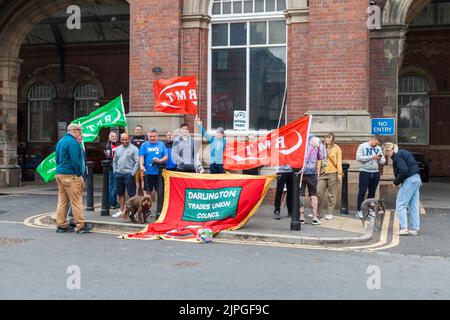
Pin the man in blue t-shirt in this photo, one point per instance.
(151, 153)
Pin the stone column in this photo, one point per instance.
(386, 55)
(9, 75)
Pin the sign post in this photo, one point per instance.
(240, 120)
(383, 126)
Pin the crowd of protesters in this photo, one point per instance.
(136, 159)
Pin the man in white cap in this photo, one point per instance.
(70, 169)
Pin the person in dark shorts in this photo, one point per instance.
(314, 152)
(125, 165)
(138, 140)
(151, 153)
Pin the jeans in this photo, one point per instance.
(112, 196)
(367, 180)
(408, 197)
(216, 168)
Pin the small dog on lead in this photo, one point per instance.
(140, 205)
(373, 207)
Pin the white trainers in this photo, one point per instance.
(328, 217)
(310, 215)
(316, 222)
(118, 214)
(413, 232)
(403, 232)
(359, 215)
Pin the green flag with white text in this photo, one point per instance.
(111, 114)
(47, 168)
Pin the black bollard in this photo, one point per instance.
(159, 205)
(295, 219)
(90, 186)
(344, 197)
(106, 164)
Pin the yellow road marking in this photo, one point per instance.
(35, 222)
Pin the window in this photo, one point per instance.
(40, 112)
(413, 110)
(247, 63)
(86, 95)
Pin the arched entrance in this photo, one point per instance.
(411, 46)
(17, 20)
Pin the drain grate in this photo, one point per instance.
(9, 242)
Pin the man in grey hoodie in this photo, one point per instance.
(125, 166)
(370, 156)
(184, 151)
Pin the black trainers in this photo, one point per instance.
(86, 228)
(64, 230)
(72, 224)
(276, 215)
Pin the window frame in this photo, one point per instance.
(427, 112)
(243, 18)
(75, 98)
(30, 100)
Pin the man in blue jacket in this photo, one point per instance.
(216, 147)
(70, 169)
(407, 176)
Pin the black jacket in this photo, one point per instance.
(405, 166)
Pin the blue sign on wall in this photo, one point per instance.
(383, 126)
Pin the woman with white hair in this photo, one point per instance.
(407, 176)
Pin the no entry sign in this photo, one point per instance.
(383, 126)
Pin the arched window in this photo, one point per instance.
(413, 102)
(86, 95)
(40, 112)
(247, 63)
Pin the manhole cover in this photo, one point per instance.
(186, 264)
(8, 242)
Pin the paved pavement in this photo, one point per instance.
(36, 262)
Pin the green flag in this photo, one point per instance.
(111, 114)
(47, 168)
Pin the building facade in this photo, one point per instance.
(319, 57)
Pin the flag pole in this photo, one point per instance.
(296, 197)
(282, 107)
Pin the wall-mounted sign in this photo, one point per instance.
(383, 126)
(240, 120)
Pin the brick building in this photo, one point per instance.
(246, 54)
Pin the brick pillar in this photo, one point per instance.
(195, 57)
(9, 74)
(154, 42)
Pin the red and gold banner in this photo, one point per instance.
(176, 95)
(286, 145)
(196, 201)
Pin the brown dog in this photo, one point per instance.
(140, 205)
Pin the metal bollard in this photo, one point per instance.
(106, 164)
(159, 205)
(90, 186)
(344, 197)
(295, 219)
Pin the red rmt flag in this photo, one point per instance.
(176, 95)
(286, 145)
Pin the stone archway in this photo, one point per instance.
(17, 19)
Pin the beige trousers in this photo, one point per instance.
(328, 184)
(70, 189)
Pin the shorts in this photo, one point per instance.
(151, 181)
(310, 181)
(138, 175)
(125, 181)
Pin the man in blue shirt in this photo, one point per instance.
(70, 169)
(151, 153)
(170, 165)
